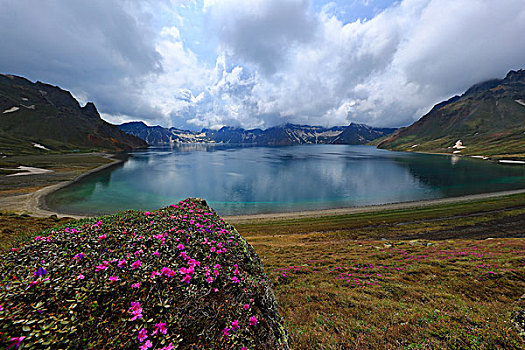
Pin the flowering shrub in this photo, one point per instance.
(175, 278)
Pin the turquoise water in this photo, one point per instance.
(280, 179)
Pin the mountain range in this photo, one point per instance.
(284, 135)
(488, 119)
(38, 117)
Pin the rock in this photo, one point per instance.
(518, 319)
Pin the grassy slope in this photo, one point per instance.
(457, 292)
(340, 285)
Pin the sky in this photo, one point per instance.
(196, 64)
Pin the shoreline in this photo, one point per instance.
(34, 203)
(367, 208)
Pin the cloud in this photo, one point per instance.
(101, 50)
(386, 71)
(209, 63)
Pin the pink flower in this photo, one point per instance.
(17, 341)
(235, 279)
(180, 247)
(186, 278)
(253, 321)
(156, 253)
(226, 332)
(136, 265)
(143, 334)
(114, 278)
(136, 310)
(146, 345)
(80, 277)
(161, 327)
(101, 268)
(235, 324)
(101, 237)
(147, 213)
(209, 280)
(246, 306)
(166, 271)
(169, 347)
(138, 252)
(135, 285)
(121, 263)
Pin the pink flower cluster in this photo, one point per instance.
(136, 310)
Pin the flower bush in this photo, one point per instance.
(175, 278)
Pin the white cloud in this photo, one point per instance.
(267, 61)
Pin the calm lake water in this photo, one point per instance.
(279, 179)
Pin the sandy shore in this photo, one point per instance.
(33, 203)
(370, 208)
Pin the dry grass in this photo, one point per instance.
(340, 286)
(425, 278)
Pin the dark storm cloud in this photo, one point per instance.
(100, 50)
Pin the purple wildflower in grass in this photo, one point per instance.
(161, 327)
(226, 332)
(235, 324)
(101, 268)
(253, 321)
(16, 341)
(146, 345)
(143, 334)
(186, 278)
(136, 265)
(40, 272)
(79, 256)
(136, 310)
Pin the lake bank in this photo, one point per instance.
(24, 198)
(34, 202)
(264, 180)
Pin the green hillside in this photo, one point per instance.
(489, 119)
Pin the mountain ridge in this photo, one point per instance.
(39, 114)
(488, 119)
(282, 135)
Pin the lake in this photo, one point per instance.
(252, 180)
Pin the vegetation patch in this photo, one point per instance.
(178, 277)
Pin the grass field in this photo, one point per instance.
(446, 276)
(443, 276)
